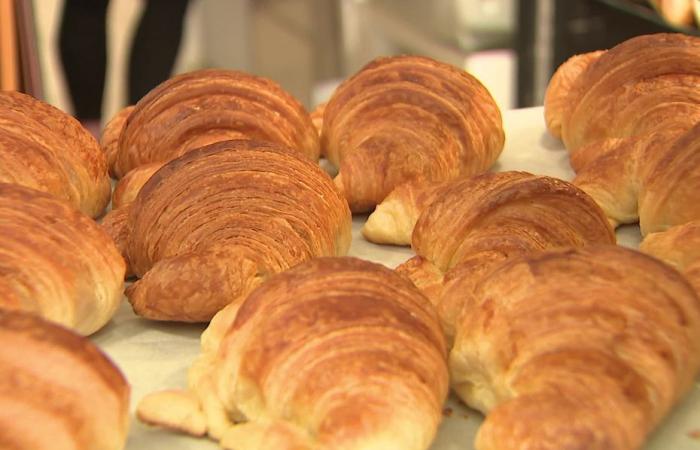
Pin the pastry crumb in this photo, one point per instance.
(694, 434)
(447, 412)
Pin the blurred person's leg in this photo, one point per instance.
(83, 49)
(155, 45)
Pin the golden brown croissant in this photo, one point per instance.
(583, 348)
(56, 262)
(109, 141)
(115, 224)
(678, 246)
(405, 119)
(623, 114)
(480, 221)
(129, 186)
(206, 106)
(335, 353)
(643, 85)
(211, 225)
(651, 178)
(44, 148)
(57, 390)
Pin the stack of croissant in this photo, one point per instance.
(517, 299)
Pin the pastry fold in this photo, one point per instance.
(678, 246)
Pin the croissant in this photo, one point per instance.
(57, 390)
(575, 348)
(109, 141)
(643, 85)
(44, 148)
(206, 106)
(678, 246)
(335, 353)
(211, 225)
(627, 117)
(408, 119)
(129, 186)
(653, 179)
(475, 223)
(56, 262)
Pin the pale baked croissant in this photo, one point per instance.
(480, 221)
(206, 106)
(211, 225)
(335, 353)
(405, 119)
(678, 246)
(56, 262)
(57, 390)
(627, 117)
(44, 148)
(575, 348)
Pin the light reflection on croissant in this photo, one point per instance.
(202, 107)
(575, 348)
(211, 225)
(477, 222)
(406, 119)
(335, 353)
(56, 262)
(628, 117)
(57, 390)
(44, 148)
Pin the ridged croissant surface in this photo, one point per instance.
(576, 349)
(480, 221)
(334, 354)
(408, 119)
(57, 390)
(211, 225)
(44, 148)
(206, 106)
(626, 115)
(56, 262)
(678, 246)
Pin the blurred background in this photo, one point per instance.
(308, 46)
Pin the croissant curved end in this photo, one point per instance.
(389, 224)
(174, 410)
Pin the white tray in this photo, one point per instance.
(157, 355)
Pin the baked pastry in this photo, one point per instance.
(109, 141)
(205, 106)
(676, 12)
(652, 79)
(335, 353)
(57, 390)
(56, 262)
(653, 179)
(44, 148)
(478, 222)
(129, 186)
(575, 348)
(115, 224)
(631, 154)
(408, 119)
(211, 225)
(678, 246)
